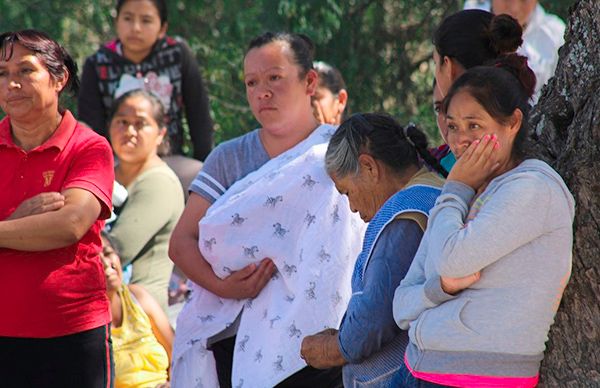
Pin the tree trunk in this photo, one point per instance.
(566, 129)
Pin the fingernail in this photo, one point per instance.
(494, 137)
(496, 146)
(486, 138)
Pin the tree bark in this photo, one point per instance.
(566, 130)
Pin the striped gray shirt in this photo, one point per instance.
(229, 162)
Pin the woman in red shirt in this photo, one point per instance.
(55, 190)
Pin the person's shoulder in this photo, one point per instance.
(106, 52)
(549, 24)
(550, 19)
(536, 182)
(532, 177)
(555, 24)
(145, 300)
(248, 141)
(231, 160)
(532, 167)
(168, 172)
(424, 177)
(140, 294)
(539, 170)
(161, 177)
(403, 224)
(173, 41)
(398, 235)
(85, 135)
(81, 135)
(245, 139)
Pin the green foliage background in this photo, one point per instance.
(383, 48)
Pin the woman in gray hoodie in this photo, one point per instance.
(487, 279)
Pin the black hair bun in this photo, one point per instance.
(506, 34)
(517, 65)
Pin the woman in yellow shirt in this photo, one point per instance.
(141, 334)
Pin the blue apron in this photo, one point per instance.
(417, 198)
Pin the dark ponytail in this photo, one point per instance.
(419, 141)
(517, 65)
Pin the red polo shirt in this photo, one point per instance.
(61, 291)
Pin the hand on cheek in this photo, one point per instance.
(318, 111)
(478, 162)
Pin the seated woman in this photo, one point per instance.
(375, 162)
(331, 97)
(264, 195)
(141, 335)
(484, 287)
(155, 197)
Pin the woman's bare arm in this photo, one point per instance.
(52, 229)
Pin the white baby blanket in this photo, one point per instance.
(290, 211)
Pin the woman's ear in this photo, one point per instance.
(161, 135)
(342, 99)
(369, 167)
(516, 120)
(312, 81)
(455, 69)
(163, 30)
(62, 82)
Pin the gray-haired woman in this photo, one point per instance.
(377, 163)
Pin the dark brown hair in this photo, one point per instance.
(161, 7)
(382, 137)
(302, 47)
(474, 37)
(56, 59)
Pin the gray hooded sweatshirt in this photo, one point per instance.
(518, 233)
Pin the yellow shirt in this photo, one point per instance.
(140, 360)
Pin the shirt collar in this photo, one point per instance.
(58, 139)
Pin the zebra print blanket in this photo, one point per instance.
(290, 211)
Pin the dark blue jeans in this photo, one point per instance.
(404, 379)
